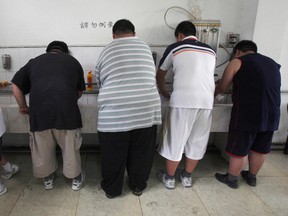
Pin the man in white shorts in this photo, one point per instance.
(191, 103)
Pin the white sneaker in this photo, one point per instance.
(168, 183)
(186, 182)
(3, 188)
(78, 182)
(7, 174)
(49, 182)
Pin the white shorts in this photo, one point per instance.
(186, 130)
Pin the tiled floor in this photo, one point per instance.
(26, 195)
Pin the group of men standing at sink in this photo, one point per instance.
(130, 109)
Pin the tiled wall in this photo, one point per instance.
(87, 56)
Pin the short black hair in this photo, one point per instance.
(245, 45)
(123, 26)
(185, 27)
(59, 45)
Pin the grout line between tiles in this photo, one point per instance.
(142, 214)
(20, 194)
(275, 165)
(76, 210)
(261, 199)
(200, 198)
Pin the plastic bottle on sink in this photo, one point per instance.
(89, 81)
(3, 83)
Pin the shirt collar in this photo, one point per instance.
(190, 38)
(126, 38)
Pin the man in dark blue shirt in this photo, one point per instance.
(255, 113)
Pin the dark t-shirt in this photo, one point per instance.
(53, 81)
(256, 94)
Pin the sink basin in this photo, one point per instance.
(222, 105)
(223, 99)
(6, 90)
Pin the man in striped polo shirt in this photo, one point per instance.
(129, 110)
(191, 103)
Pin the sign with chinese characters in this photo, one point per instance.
(81, 23)
(96, 24)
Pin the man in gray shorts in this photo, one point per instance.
(55, 81)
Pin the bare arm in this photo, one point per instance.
(160, 77)
(21, 100)
(228, 75)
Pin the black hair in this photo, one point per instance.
(185, 27)
(59, 45)
(245, 45)
(123, 26)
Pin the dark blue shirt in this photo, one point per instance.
(256, 94)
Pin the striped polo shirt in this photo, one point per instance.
(128, 97)
(193, 65)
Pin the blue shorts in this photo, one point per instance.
(240, 143)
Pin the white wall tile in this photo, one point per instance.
(89, 114)
(89, 57)
(92, 99)
(39, 51)
(4, 99)
(83, 100)
(16, 122)
(3, 76)
(76, 52)
(25, 55)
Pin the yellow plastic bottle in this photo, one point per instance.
(3, 83)
(89, 81)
